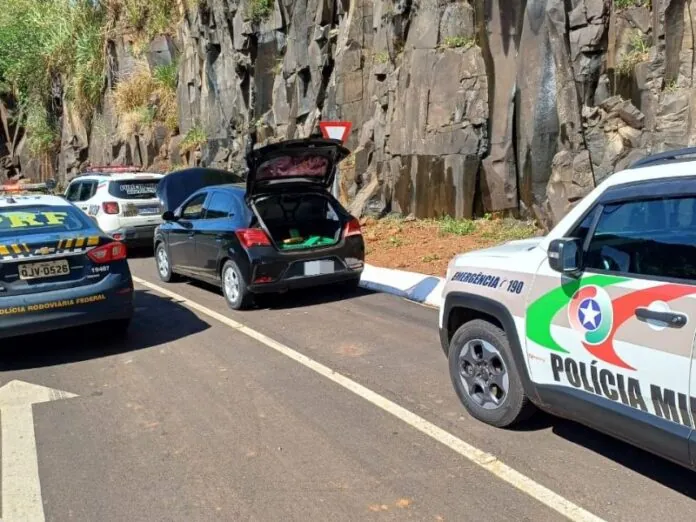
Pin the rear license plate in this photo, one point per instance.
(312, 268)
(149, 211)
(44, 270)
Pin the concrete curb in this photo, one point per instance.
(409, 285)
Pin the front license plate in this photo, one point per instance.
(312, 268)
(43, 270)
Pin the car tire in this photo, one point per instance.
(485, 377)
(234, 287)
(164, 266)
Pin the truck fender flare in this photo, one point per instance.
(500, 312)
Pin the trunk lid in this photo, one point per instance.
(294, 163)
(176, 186)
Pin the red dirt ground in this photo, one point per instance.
(426, 246)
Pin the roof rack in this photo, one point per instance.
(669, 156)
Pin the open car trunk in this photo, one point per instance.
(298, 221)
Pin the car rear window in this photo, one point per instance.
(41, 219)
(309, 165)
(134, 188)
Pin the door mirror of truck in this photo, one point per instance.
(169, 216)
(565, 256)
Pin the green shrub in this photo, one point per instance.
(194, 138)
(260, 10)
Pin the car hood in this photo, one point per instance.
(176, 186)
(506, 250)
(287, 163)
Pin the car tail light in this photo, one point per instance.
(250, 237)
(110, 207)
(352, 228)
(114, 251)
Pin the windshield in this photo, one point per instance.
(134, 189)
(40, 219)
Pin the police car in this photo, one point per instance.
(594, 322)
(57, 269)
(122, 200)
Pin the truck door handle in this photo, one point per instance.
(218, 238)
(673, 319)
(191, 234)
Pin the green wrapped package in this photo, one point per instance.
(312, 241)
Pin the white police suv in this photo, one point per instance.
(122, 200)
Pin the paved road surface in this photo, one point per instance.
(192, 420)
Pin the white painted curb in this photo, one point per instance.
(416, 287)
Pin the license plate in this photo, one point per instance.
(312, 268)
(149, 211)
(43, 270)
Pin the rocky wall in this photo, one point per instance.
(457, 108)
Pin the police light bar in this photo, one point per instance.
(28, 187)
(107, 169)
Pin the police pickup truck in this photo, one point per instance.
(594, 322)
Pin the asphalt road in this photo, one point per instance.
(192, 420)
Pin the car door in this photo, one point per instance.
(182, 234)
(210, 238)
(612, 345)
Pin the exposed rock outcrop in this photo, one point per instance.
(458, 108)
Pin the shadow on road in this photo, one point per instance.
(158, 320)
(651, 466)
(655, 468)
(140, 253)
(294, 298)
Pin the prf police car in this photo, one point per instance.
(57, 269)
(594, 322)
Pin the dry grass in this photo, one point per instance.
(638, 52)
(143, 100)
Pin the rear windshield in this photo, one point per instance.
(41, 219)
(309, 165)
(134, 188)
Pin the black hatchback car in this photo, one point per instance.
(280, 229)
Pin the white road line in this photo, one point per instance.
(21, 487)
(481, 458)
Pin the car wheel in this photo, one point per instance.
(234, 287)
(164, 267)
(485, 377)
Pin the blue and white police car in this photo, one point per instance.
(57, 268)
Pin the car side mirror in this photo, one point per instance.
(565, 256)
(169, 216)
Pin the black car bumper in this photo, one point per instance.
(270, 271)
(295, 283)
(111, 299)
(137, 237)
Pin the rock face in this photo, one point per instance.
(458, 107)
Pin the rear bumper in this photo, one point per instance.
(139, 236)
(110, 299)
(281, 272)
(305, 282)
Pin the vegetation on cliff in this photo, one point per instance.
(54, 51)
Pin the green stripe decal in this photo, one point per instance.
(541, 313)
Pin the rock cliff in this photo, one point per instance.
(458, 108)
